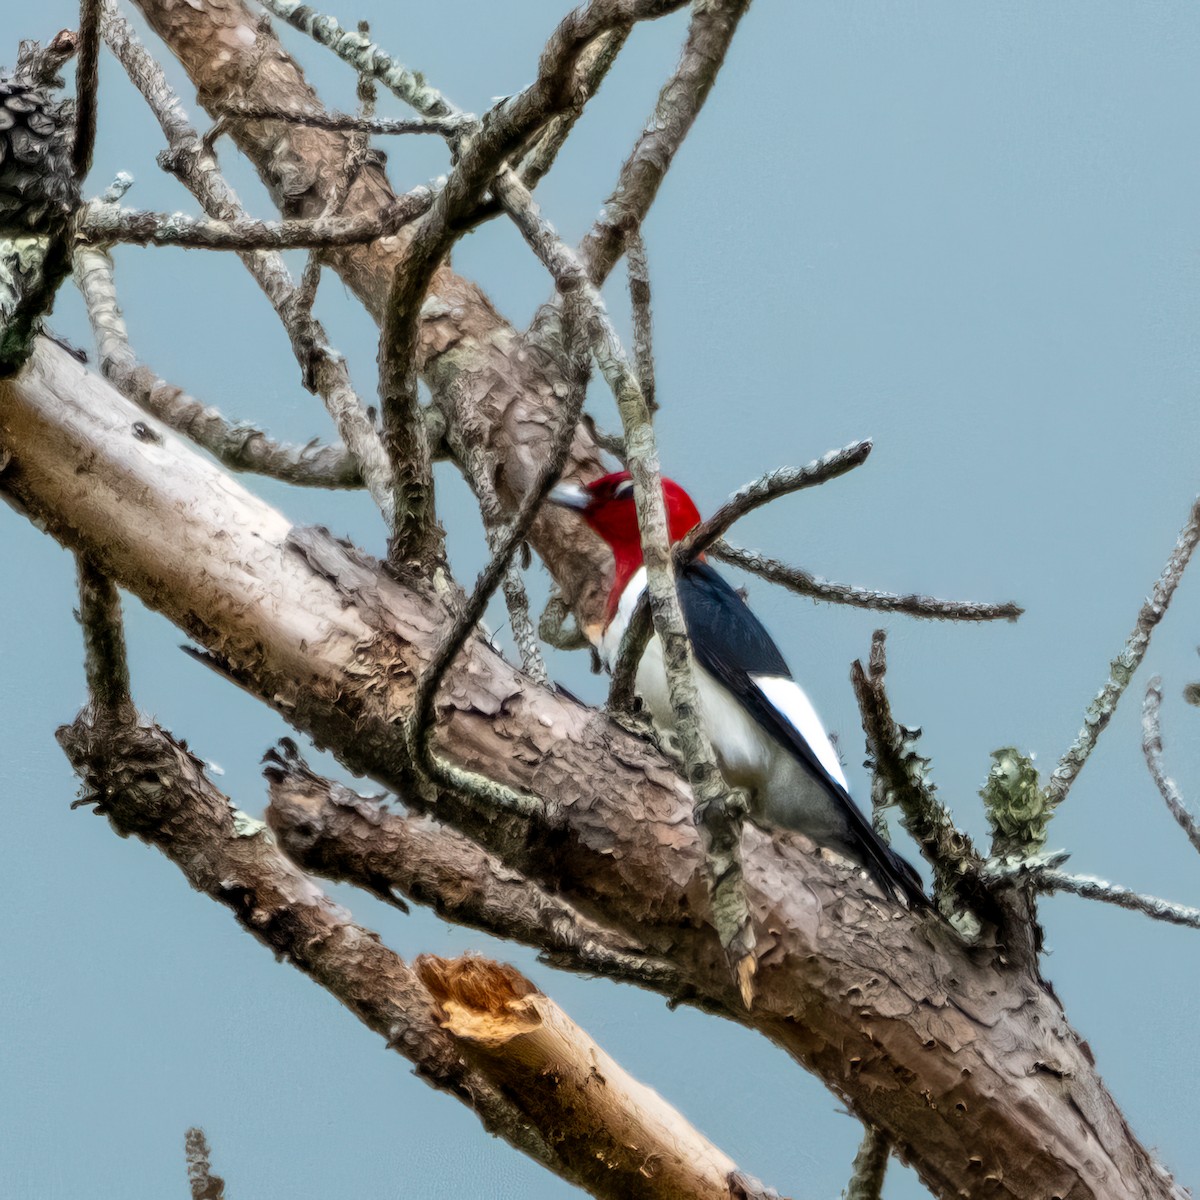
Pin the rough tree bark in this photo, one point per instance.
(959, 1056)
(967, 1063)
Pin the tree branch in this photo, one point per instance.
(781, 482)
(336, 122)
(106, 225)
(86, 88)
(322, 368)
(333, 832)
(717, 811)
(104, 659)
(870, 1166)
(1048, 880)
(1122, 668)
(643, 331)
(238, 446)
(149, 786)
(803, 583)
(709, 35)
(204, 1184)
(531, 1050)
(896, 1015)
(1152, 748)
(949, 851)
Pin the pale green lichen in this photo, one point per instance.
(1017, 806)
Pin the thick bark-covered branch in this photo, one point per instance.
(333, 832)
(965, 1062)
(149, 786)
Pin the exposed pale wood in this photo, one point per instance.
(621, 1132)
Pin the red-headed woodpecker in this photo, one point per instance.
(763, 728)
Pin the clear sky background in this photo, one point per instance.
(970, 232)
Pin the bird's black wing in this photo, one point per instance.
(732, 645)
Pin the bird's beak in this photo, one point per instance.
(569, 495)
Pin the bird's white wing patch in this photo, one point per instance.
(610, 639)
(788, 698)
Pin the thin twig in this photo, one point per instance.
(770, 487)
(104, 660)
(1048, 880)
(516, 597)
(204, 1184)
(86, 88)
(718, 813)
(949, 851)
(1122, 668)
(365, 57)
(761, 491)
(643, 333)
(240, 447)
(913, 604)
(870, 1166)
(1152, 748)
(679, 102)
(337, 122)
(323, 369)
(106, 225)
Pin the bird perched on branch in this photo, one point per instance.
(764, 730)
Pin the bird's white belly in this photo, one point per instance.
(744, 752)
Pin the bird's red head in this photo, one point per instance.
(606, 504)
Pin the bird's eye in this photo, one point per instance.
(624, 490)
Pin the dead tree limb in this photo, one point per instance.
(935, 1043)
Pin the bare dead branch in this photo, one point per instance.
(335, 122)
(949, 851)
(40, 65)
(534, 1052)
(363, 56)
(643, 333)
(804, 583)
(106, 225)
(708, 38)
(240, 447)
(506, 126)
(1048, 880)
(322, 368)
(718, 812)
(1122, 668)
(86, 87)
(148, 785)
(870, 1166)
(204, 1184)
(327, 638)
(516, 597)
(770, 487)
(104, 661)
(333, 832)
(594, 64)
(1152, 748)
